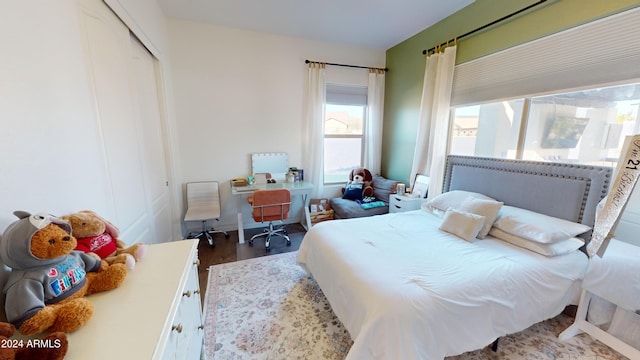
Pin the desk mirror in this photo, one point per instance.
(275, 163)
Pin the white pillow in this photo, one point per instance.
(451, 199)
(535, 226)
(487, 208)
(437, 212)
(554, 249)
(462, 224)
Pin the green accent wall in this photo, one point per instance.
(406, 62)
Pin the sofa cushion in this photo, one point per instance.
(383, 187)
(346, 209)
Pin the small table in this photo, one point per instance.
(302, 188)
(401, 203)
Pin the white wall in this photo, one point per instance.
(239, 92)
(50, 154)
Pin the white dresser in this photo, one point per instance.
(400, 203)
(155, 314)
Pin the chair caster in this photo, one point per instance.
(250, 242)
(226, 235)
(268, 249)
(288, 242)
(210, 240)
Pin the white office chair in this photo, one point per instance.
(203, 204)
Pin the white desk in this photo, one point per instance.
(302, 188)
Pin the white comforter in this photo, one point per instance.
(619, 262)
(406, 290)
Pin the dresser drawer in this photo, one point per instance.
(400, 203)
(156, 311)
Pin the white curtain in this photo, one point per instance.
(375, 108)
(431, 142)
(313, 136)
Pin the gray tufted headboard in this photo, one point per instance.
(567, 191)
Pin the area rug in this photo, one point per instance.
(269, 308)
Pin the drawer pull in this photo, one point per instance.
(398, 207)
(187, 293)
(177, 328)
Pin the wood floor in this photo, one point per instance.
(229, 250)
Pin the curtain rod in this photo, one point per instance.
(351, 66)
(485, 26)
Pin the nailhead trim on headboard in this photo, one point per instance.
(595, 179)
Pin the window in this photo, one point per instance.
(344, 135)
(343, 141)
(487, 130)
(587, 126)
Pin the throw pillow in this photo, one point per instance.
(353, 191)
(462, 224)
(487, 208)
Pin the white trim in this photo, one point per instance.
(603, 51)
(121, 11)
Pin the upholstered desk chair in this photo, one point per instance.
(269, 206)
(203, 204)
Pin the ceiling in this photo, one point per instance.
(377, 24)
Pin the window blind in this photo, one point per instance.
(604, 51)
(346, 94)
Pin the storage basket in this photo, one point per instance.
(320, 210)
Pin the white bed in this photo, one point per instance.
(406, 290)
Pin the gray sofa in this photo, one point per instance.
(347, 209)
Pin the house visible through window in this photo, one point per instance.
(586, 126)
(344, 135)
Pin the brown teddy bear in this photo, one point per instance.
(361, 175)
(52, 347)
(48, 281)
(99, 236)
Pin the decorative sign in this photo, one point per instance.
(626, 177)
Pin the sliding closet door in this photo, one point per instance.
(127, 111)
(147, 106)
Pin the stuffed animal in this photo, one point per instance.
(52, 347)
(361, 175)
(98, 236)
(48, 280)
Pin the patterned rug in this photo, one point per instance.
(269, 308)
